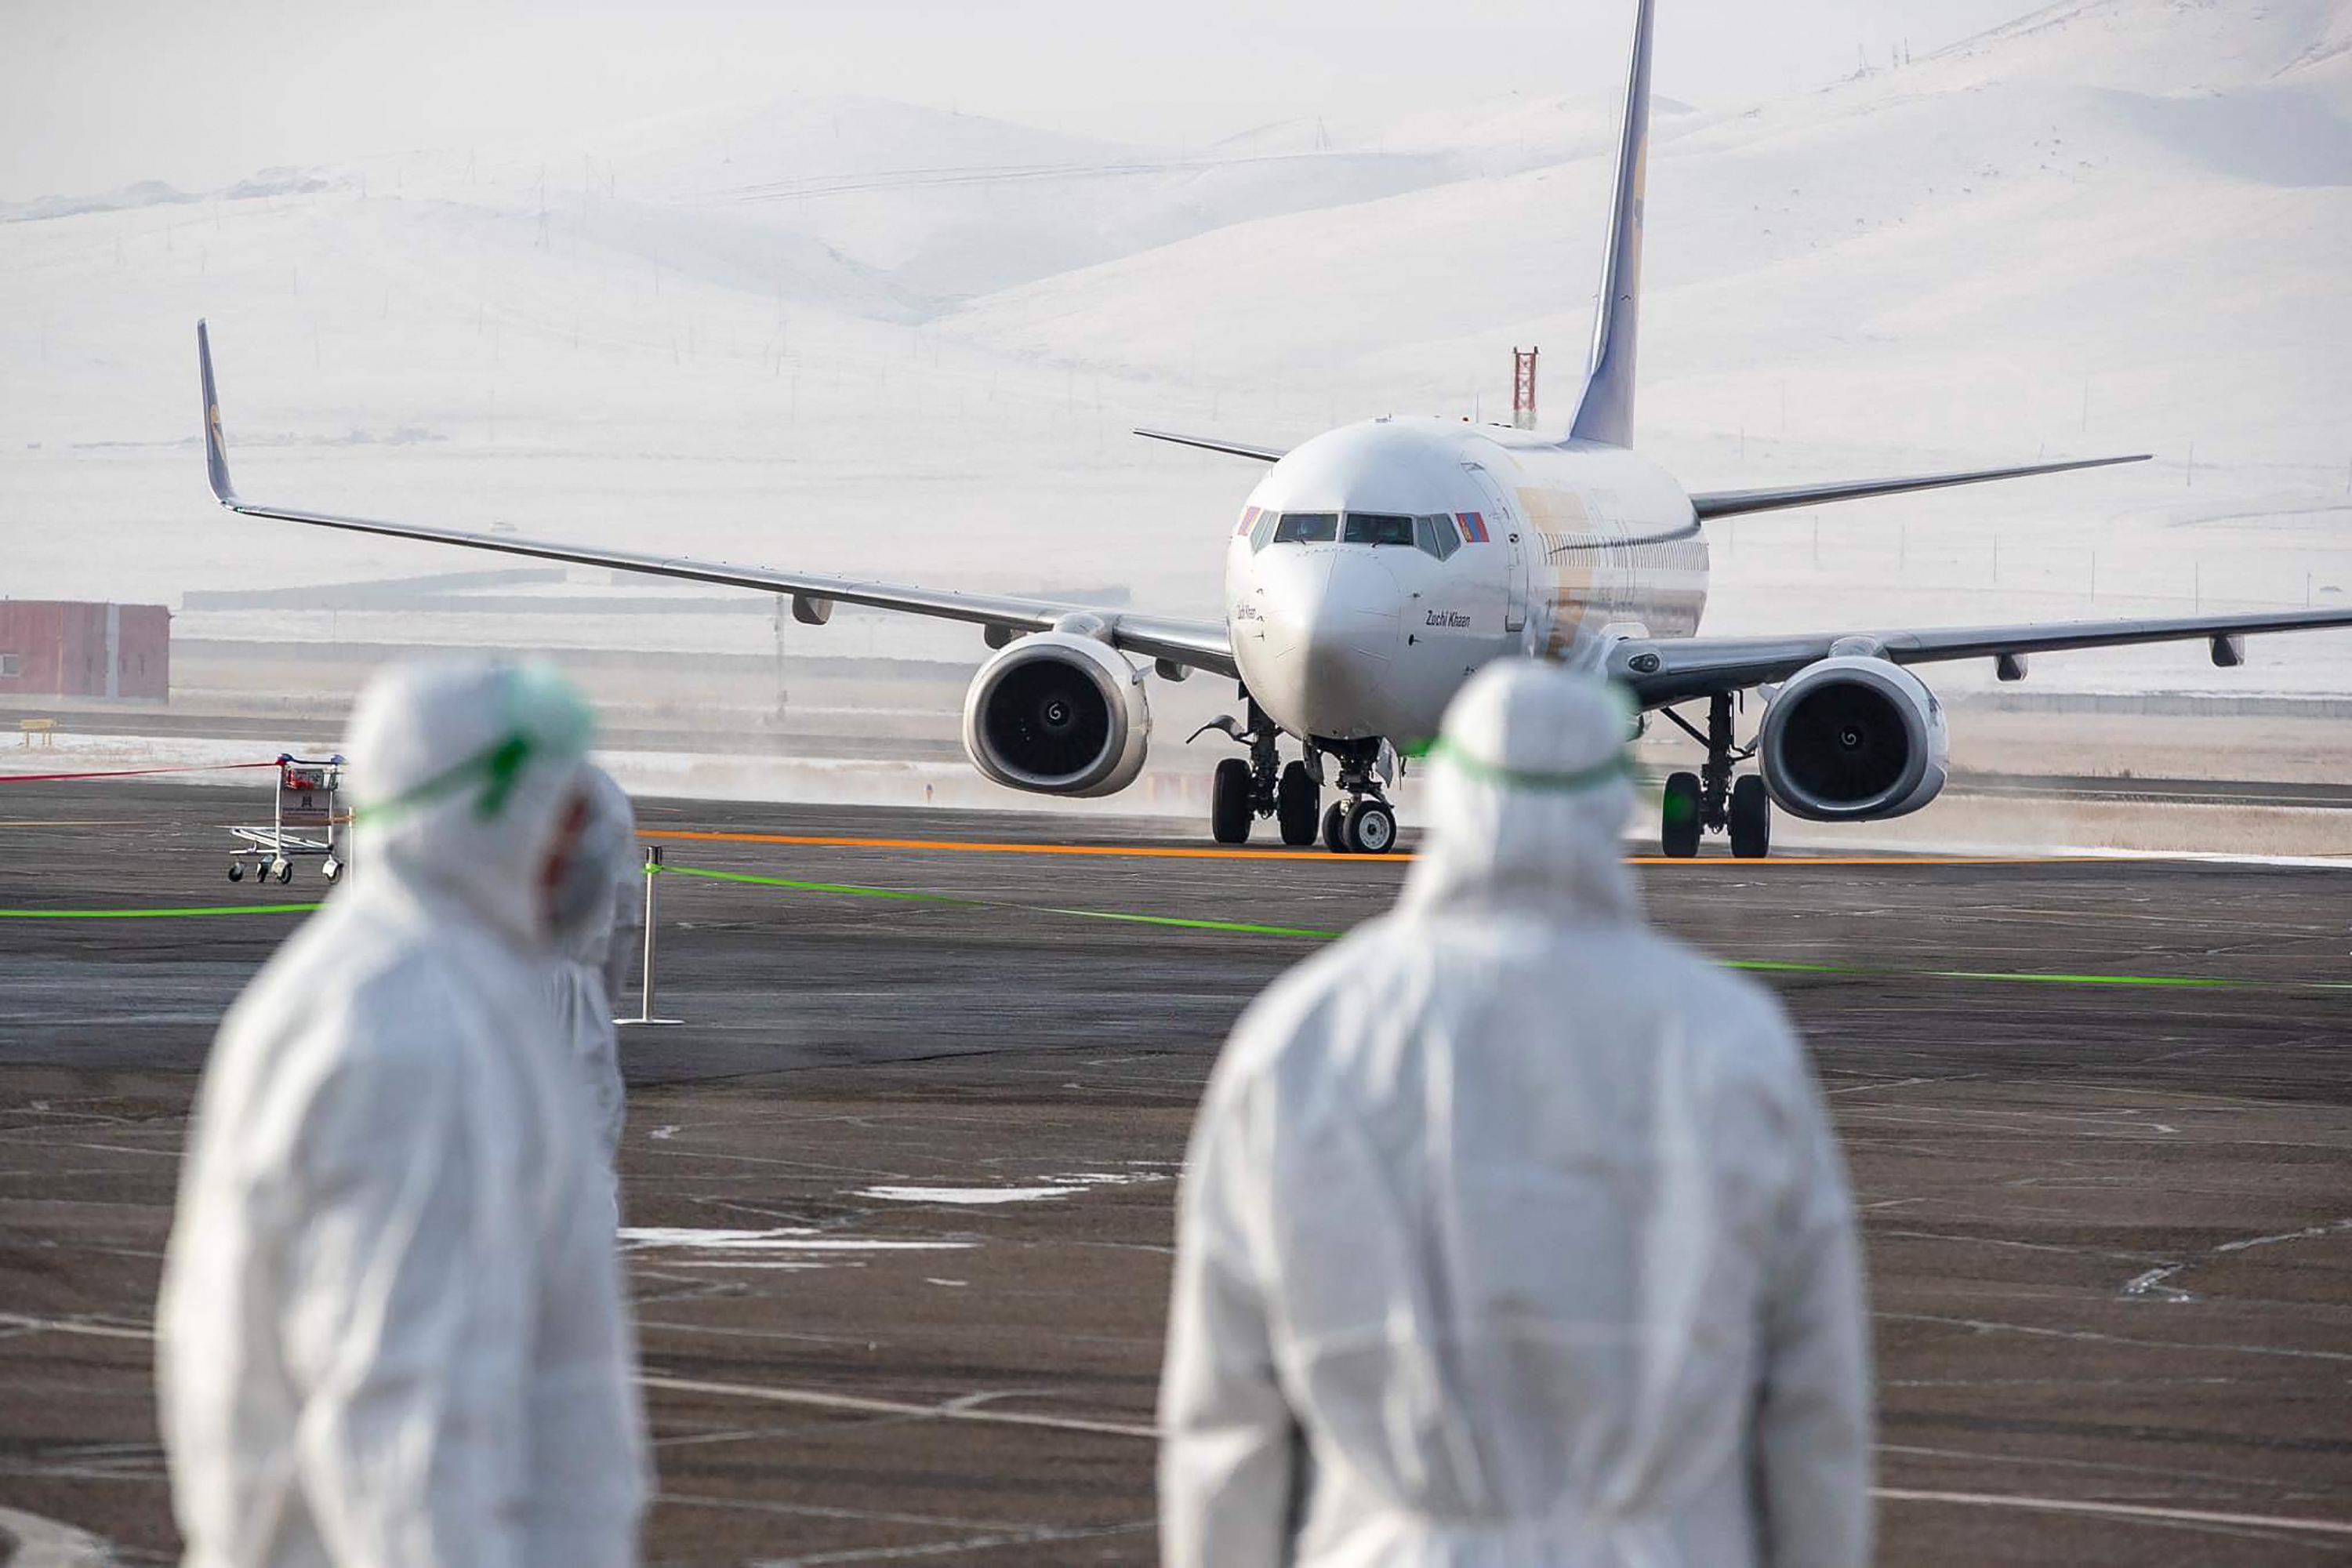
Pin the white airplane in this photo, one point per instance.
(1377, 566)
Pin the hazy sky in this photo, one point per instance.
(95, 93)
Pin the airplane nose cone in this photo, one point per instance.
(1331, 624)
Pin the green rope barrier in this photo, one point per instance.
(1251, 927)
(1765, 966)
(156, 914)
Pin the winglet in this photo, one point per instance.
(215, 445)
(1606, 413)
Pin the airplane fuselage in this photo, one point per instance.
(1378, 566)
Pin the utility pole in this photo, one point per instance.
(779, 658)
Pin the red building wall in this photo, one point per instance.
(62, 649)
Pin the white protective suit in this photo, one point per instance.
(392, 1327)
(594, 954)
(1512, 1231)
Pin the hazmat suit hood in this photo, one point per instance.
(461, 775)
(1529, 788)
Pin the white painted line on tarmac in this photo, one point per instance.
(23, 1324)
(953, 1410)
(959, 1410)
(2117, 1510)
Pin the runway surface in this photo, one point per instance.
(900, 1187)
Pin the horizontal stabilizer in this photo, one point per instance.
(1211, 444)
(1735, 503)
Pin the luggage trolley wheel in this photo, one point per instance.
(236, 871)
(285, 872)
(331, 868)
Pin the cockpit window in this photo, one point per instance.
(1378, 528)
(1307, 528)
(1262, 530)
(1436, 536)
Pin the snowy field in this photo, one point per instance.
(863, 338)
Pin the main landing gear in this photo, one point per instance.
(1711, 800)
(1244, 789)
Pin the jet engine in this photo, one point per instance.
(1854, 738)
(1058, 713)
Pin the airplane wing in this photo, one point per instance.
(1191, 644)
(1212, 443)
(1737, 503)
(1674, 670)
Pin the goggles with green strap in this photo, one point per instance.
(1452, 752)
(548, 719)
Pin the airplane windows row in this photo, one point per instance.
(1431, 535)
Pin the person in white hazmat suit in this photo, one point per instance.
(592, 957)
(392, 1329)
(1513, 1231)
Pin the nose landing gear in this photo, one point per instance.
(1366, 824)
(1710, 801)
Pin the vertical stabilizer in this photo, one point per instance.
(1606, 415)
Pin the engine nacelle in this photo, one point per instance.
(1854, 739)
(1058, 713)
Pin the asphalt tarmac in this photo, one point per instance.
(899, 1188)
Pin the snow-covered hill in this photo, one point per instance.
(874, 339)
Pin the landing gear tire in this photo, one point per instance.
(1679, 820)
(1752, 819)
(1297, 801)
(1372, 827)
(1228, 801)
(1335, 830)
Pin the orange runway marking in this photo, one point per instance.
(1162, 852)
(987, 847)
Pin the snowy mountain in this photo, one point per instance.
(878, 339)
